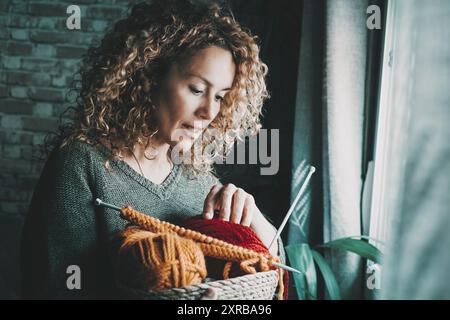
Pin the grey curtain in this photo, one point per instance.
(328, 130)
(418, 260)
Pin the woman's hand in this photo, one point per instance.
(232, 203)
(236, 205)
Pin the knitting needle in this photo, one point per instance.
(99, 202)
(291, 209)
(285, 267)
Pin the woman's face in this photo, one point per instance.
(190, 95)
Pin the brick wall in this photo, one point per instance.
(39, 56)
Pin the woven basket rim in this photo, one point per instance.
(232, 284)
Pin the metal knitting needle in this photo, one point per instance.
(285, 267)
(291, 208)
(99, 202)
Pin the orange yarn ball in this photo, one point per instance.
(157, 261)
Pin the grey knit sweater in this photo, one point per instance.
(64, 228)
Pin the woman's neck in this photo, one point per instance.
(154, 152)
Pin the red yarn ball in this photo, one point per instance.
(230, 232)
(227, 231)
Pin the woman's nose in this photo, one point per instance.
(208, 109)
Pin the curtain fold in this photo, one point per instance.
(418, 258)
(306, 149)
(343, 103)
(328, 129)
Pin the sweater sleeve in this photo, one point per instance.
(59, 239)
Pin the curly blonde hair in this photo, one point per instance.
(119, 77)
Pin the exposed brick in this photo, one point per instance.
(48, 23)
(11, 122)
(47, 9)
(10, 151)
(15, 166)
(13, 106)
(3, 91)
(43, 109)
(100, 12)
(28, 181)
(71, 66)
(18, 77)
(16, 137)
(43, 94)
(59, 81)
(4, 34)
(5, 5)
(18, 48)
(69, 52)
(12, 194)
(59, 108)
(36, 167)
(14, 207)
(21, 21)
(35, 64)
(98, 26)
(8, 179)
(39, 124)
(4, 20)
(19, 92)
(90, 2)
(19, 34)
(19, 7)
(29, 153)
(82, 39)
(11, 62)
(44, 50)
(38, 138)
(28, 78)
(43, 36)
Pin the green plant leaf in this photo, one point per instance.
(301, 258)
(328, 276)
(369, 238)
(360, 247)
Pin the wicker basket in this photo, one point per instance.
(258, 286)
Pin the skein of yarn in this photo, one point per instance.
(157, 261)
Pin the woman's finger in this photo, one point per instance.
(210, 202)
(226, 198)
(248, 211)
(237, 205)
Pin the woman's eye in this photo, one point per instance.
(219, 98)
(195, 90)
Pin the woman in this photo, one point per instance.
(149, 92)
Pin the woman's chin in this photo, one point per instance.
(183, 146)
